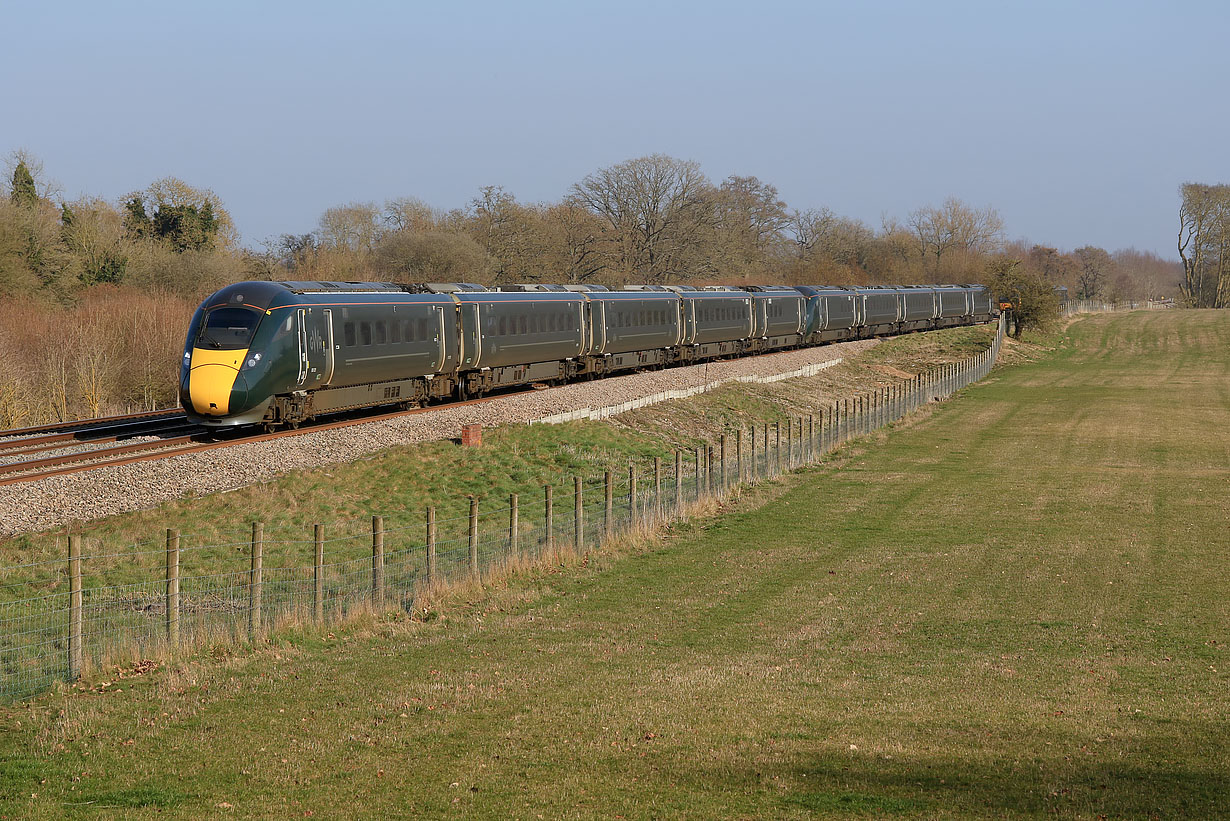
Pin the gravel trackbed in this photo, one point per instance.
(58, 501)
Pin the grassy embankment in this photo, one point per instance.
(401, 482)
(1011, 605)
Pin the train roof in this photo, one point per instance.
(519, 296)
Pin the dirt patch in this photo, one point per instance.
(891, 371)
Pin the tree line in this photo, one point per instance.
(94, 294)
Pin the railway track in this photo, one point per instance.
(83, 426)
(168, 442)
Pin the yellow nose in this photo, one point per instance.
(211, 378)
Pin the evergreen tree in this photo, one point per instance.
(24, 191)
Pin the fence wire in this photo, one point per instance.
(70, 621)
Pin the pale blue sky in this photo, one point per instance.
(1077, 121)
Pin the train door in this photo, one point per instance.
(330, 348)
(442, 338)
(304, 358)
(471, 335)
(316, 347)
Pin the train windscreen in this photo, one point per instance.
(228, 329)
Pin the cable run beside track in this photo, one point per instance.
(89, 424)
(196, 443)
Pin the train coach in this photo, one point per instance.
(280, 353)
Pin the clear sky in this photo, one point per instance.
(1076, 120)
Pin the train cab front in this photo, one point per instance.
(215, 388)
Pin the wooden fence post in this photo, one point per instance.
(777, 446)
(432, 578)
(708, 454)
(76, 654)
(696, 470)
(171, 606)
(739, 455)
(472, 539)
(753, 441)
(578, 517)
(722, 463)
(172, 603)
(631, 495)
(678, 482)
(608, 514)
(548, 517)
(514, 525)
(378, 563)
(657, 487)
(318, 574)
(254, 578)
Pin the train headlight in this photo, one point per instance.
(252, 363)
(187, 357)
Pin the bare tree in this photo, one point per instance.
(354, 227)
(582, 236)
(410, 214)
(1050, 263)
(1152, 276)
(1204, 244)
(752, 210)
(955, 226)
(432, 256)
(1094, 268)
(657, 208)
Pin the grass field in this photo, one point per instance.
(1013, 605)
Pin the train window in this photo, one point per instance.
(381, 333)
(521, 323)
(348, 334)
(395, 332)
(229, 328)
(503, 326)
(365, 333)
(425, 331)
(409, 329)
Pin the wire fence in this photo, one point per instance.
(216, 593)
(1072, 307)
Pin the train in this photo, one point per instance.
(278, 354)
